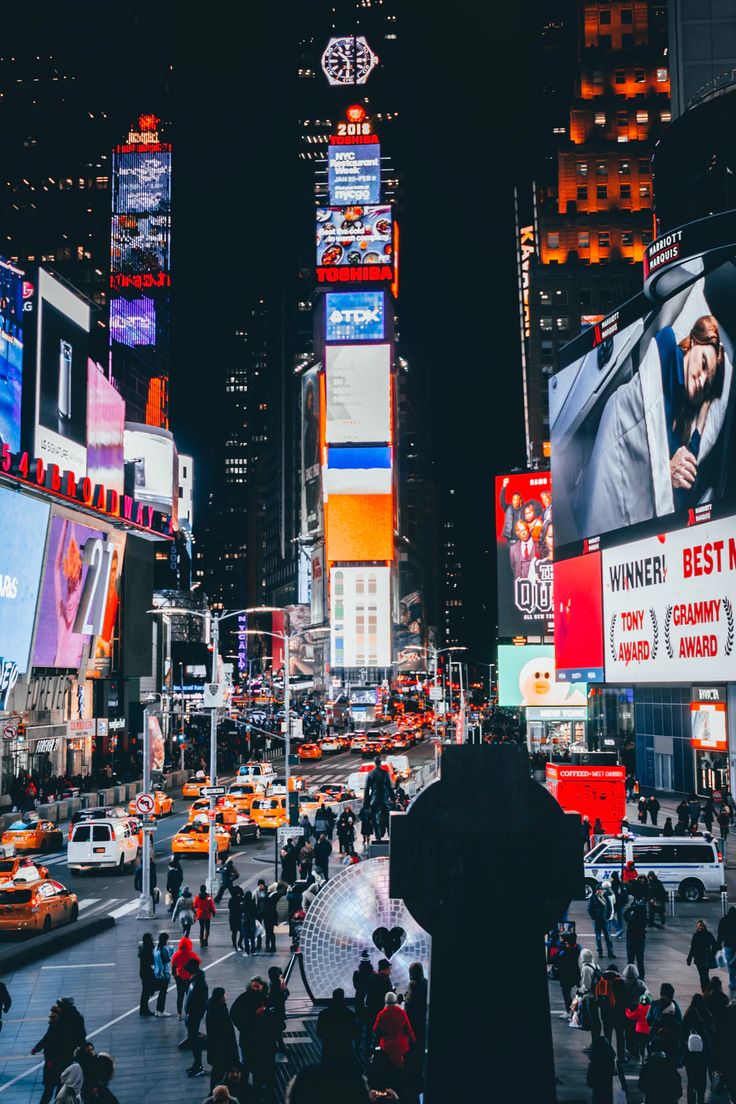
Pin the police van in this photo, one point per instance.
(690, 865)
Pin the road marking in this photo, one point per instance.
(87, 902)
(123, 910)
(79, 966)
(105, 1027)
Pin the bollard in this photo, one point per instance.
(672, 901)
(724, 900)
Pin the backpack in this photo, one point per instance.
(604, 994)
(694, 1043)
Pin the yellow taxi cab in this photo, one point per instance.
(193, 786)
(226, 811)
(243, 794)
(269, 812)
(31, 834)
(30, 902)
(163, 804)
(10, 865)
(310, 751)
(193, 839)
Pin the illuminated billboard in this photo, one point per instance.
(359, 470)
(359, 527)
(354, 174)
(578, 602)
(526, 677)
(150, 454)
(133, 321)
(351, 236)
(105, 430)
(708, 725)
(311, 460)
(11, 353)
(355, 316)
(360, 617)
(358, 394)
(140, 244)
(61, 375)
(23, 524)
(525, 539)
(142, 181)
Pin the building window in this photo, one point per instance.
(581, 168)
(563, 323)
(622, 118)
(585, 297)
(600, 118)
(645, 167)
(642, 117)
(598, 77)
(662, 76)
(620, 77)
(601, 168)
(584, 239)
(601, 191)
(553, 239)
(545, 298)
(627, 237)
(625, 191)
(548, 348)
(627, 16)
(560, 297)
(604, 239)
(545, 323)
(645, 191)
(666, 116)
(582, 193)
(624, 168)
(604, 18)
(604, 41)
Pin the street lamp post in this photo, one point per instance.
(145, 903)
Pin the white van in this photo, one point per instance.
(692, 866)
(104, 845)
(263, 771)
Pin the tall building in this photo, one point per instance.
(596, 218)
(702, 48)
(454, 617)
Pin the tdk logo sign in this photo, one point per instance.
(354, 316)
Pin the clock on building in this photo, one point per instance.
(348, 60)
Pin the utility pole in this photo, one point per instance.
(212, 854)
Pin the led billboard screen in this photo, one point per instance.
(151, 454)
(709, 728)
(11, 353)
(524, 552)
(105, 430)
(360, 617)
(360, 527)
(311, 459)
(642, 419)
(358, 394)
(526, 676)
(142, 181)
(133, 321)
(354, 174)
(578, 602)
(301, 642)
(355, 316)
(61, 375)
(359, 470)
(23, 524)
(354, 236)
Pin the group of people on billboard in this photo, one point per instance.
(525, 543)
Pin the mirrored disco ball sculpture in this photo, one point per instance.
(354, 913)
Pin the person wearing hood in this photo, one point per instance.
(73, 1029)
(54, 1052)
(182, 962)
(195, 1007)
(568, 967)
(635, 915)
(338, 1028)
(635, 989)
(174, 879)
(657, 900)
(393, 1030)
(668, 829)
(601, 1070)
(716, 1001)
(665, 1019)
(698, 1021)
(613, 1009)
(222, 1046)
(637, 1021)
(244, 1009)
(659, 1080)
(702, 951)
(726, 937)
(234, 916)
(72, 1080)
(204, 909)
(630, 873)
(146, 973)
(184, 911)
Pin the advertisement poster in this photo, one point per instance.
(151, 453)
(319, 585)
(360, 621)
(354, 174)
(354, 236)
(11, 353)
(61, 376)
(355, 316)
(311, 461)
(708, 723)
(642, 422)
(23, 524)
(360, 527)
(409, 631)
(525, 540)
(141, 244)
(669, 605)
(142, 183)
(526, 676)
(157, 749)
(108, 624)
(578, 600)
(105, 430)
(133, 321)
(301, 642)
(74, 589)
(358, 394)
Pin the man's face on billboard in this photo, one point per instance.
(522, 530)
(516, 500)
(546, 498)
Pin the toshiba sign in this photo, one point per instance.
(668, 606)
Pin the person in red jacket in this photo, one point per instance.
(181, 962)
(393, 1031)
(642, 1029)
(630, 872)
(204, 910)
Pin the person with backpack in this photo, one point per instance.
(568, 967)
(590, 975)
(698, 1021)
(601, 1071)
(610, 995)
(659, 1080)
(184, 911)
(162, 955)
(702, 953)
(695, 1062)
(635, 915)
(637, 1018)
(657, 900)
(183, 959)
(600, 911)
(665, 1020)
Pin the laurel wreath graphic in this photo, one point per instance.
(728, 647)
(667, 641)
(611, 635)
(655, 632)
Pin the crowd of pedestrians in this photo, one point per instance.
(73, 1072)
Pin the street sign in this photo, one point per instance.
(213, 791)
(145, 803)
(214, 695)
(435, 693)
(9, 732)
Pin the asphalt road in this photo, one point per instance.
(108, 892)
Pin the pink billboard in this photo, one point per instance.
(105, 430)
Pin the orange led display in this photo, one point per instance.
(359, 527)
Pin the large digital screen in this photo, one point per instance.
(669, 606)
(105, 430)
(526, 676)
(642, 420)
(578, 601)
(151, 455)
(23, 524)
(140, 244)
(301, 641)
(61, 375)
(141, 182)
(133, 321)
(525, 539)
(358, 394)
(11, 353)
(354, 174)
(73, 593)
(359, 470)
(311, 459)
(708, 724)
(354, 236)
(359, 527)
(355, 316)
(360, 617)
(409, 653)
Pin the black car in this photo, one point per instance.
(246, 829)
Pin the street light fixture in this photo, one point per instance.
(145, 903)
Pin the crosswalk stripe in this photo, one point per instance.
(87, 902)
(124, 910)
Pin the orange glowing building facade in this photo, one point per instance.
(596, 217)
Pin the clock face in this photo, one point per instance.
(348, 60)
